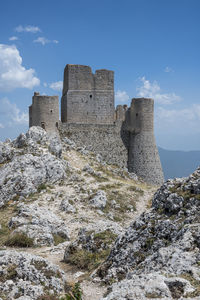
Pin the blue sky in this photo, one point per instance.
(152, 45)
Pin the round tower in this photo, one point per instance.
(143, 156)
(44, 112)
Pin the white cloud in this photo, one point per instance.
(44, 41)
(11, 114)
(153, 90)
(1, 126)
(121, 96)
(184, 120)
(57, 86)
(28, 28)
(12, 73)
(168, 70)
(13, 38)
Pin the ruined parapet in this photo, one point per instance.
(44, 112)
(143, 156)
(87, 98)
(120, 112)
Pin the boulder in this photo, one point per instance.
(26, 276)
(99, 200)
(39, 224)
(66, 206)
(24, 174)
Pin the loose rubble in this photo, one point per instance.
(26, 276)
(38, 224)
(158, 256)
(28, 165)
(99, 200)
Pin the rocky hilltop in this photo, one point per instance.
(65, 217)
(158, 256)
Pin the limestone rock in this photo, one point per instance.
(37, 134)
(99, 200)
(6, 152)
(55, 146)
(66, 206)
(39, 224)
(88, 169)
(90, 241)
(165, 240)
(26, 276)
(150, 286)
(24, 174)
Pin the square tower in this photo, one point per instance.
(87, 98)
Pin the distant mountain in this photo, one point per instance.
(178, 163)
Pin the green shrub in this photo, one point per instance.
(58, 239)
(41, 187)
(19, 240)
(86, 260)
(74, 294)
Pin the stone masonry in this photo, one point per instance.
(44, 112)
(87, 98)
(124, 136)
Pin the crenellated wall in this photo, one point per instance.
(87, 98)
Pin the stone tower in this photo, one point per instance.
(87, 98)
(143, 156)
(44, 112)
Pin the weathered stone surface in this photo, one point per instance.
(165, 240)
(39, 224)
(150, 286)
(24, 174)
(99, 200)
(66, 206)
(29, 164)
(44, 112)
(90, 241)
(6, 152)
(55, 146)
(25, 276)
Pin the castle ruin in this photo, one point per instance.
(123, 136)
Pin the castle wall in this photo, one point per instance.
(129, 142)
(30, 115)
(124, 137)
(87, 98)
(120, 112)
(100, 139)
(44, 112)
(143, 157)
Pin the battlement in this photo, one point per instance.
(140, 116)
(87, 98)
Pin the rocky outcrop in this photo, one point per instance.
(99, 200)
(38, 224)
(89, 249)
(158, 256)
(66, 206)
(26, 276)
(27, 164)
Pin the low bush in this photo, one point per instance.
(19, 240)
